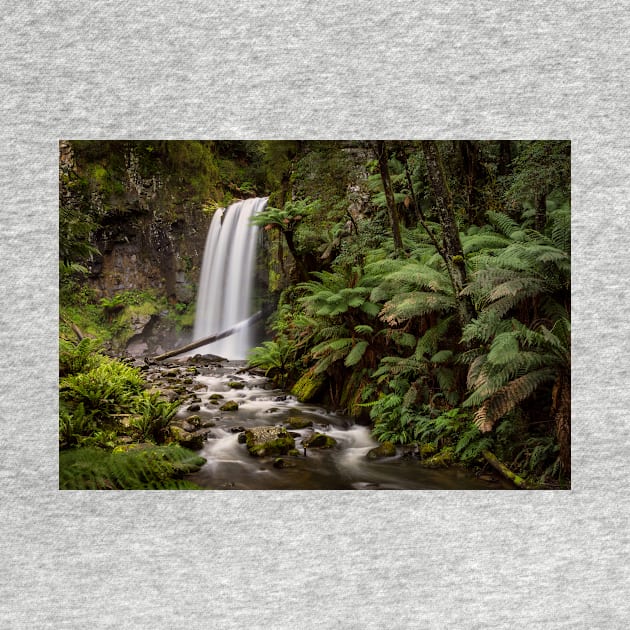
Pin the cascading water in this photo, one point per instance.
(227, 279)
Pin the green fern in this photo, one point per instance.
(158, 468)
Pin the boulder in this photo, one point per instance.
(319, 440)
(236, 384)
(386, 449)
(281, 462)
(296, 422)
(308, 386)
(193, 441)
(230, 405)
(268, 441)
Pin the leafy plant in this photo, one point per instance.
(155, 416)
(157, 468)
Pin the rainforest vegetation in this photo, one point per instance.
(422, 287)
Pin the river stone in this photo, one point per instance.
(194, 407)
(230, 405)
(386, 449)
(236, 384)
(193, 441)
(299, 423)
(270, 441)
(319, 440)
(281, 462)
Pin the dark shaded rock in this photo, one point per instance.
(281, 462)
(194, 407)
(319, 440)
(205, 359)
(386, 449)
(194, 420)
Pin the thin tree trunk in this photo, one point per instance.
(540, 219)
(505, 157)
(380, 150)
(450, 232)
(299, 262)
(561, 410)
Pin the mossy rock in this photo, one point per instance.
(319, 440)
(308, 386)
(426, 449)
(230, 405)
(192, 441)
(386, 449)
(236, 384)
(299, 423)
(215, 397)
(268, 441)
(443, 459)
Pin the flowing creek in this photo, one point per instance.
(343, 467)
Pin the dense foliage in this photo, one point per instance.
(455, 336)
(422, 286)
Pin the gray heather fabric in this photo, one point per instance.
(397, 69)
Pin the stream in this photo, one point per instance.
(343, 467)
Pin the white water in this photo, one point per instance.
(227, 277)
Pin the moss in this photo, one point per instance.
(386, 449)
(299, 423)
(308, 386)
(230, 405)
(427, 448)
(280, 446)
(443, 459)
(319, 440)
(215, 397)
(236, 384)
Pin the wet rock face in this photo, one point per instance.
(268, 441)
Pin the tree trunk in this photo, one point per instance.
(540, 219)
(450, 232)
(299, 262)
(381, 155)
(561, 410)
(505, 157)
(206, 340)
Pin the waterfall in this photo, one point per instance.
(227, 279)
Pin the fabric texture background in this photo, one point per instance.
(270, 69)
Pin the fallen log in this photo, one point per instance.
(212, 338)
(75, 329)
(491, 458)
